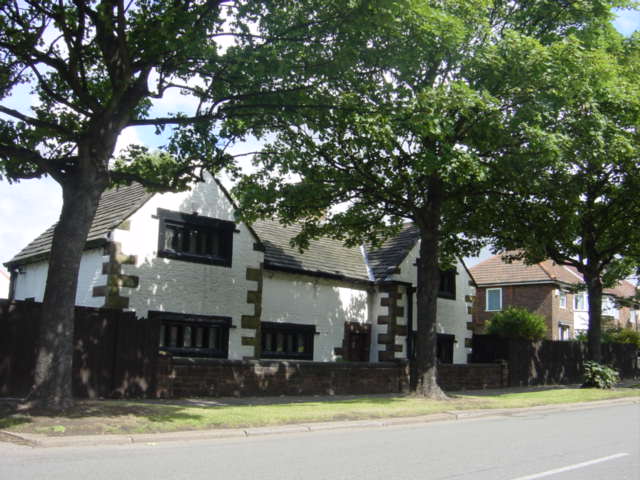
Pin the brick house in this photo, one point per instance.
(225, 289)
(547, 289)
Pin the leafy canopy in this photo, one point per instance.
(422, 112)
(578, 199)
(96, 67)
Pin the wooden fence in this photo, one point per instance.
(549, 362)
(115, 353)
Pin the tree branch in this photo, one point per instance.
(35, 122)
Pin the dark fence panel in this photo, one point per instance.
(549, 362)
(115, 354)
(136, 357)
(18, 328)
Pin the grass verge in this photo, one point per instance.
(114, 416)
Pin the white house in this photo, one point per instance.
(225, 289)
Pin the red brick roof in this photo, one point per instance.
(495, 271)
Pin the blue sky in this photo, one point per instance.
(29, 207)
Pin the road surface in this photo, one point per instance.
(595, 443)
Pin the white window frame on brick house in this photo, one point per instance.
(580, 302)
(489, 290)
(563, 299)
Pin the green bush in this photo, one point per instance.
(599, 376)
(621, 335)
(519, 323)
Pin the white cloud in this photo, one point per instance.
(128, 136)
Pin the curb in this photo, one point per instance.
(43, 441)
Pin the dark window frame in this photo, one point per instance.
(308, 331)
(222, 228)
(447, 279)
(168, 320)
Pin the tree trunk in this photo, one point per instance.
(424, 364)
(594, 334)
(52, 378)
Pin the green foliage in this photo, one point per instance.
(517, 323)
(599, 376)
(96, 67)
(581, 118)
(621, 335)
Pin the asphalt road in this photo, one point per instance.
(596, 443)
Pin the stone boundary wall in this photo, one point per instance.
(185, 377)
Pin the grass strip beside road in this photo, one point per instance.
(126, 416)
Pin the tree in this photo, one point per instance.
(579, 201)
(412, 138)
(95, 67)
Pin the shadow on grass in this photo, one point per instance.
(90, 416)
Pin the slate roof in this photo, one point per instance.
(384, 261)
(324, 256)
(114, 207)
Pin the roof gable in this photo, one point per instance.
(385, 260)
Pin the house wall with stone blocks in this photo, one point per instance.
(171, 285)
(454, 315)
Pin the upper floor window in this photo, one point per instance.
(194, 238)
(494, 299)
(580, 301)
(563, 299)
(447, 284)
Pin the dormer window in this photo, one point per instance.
(194, 238)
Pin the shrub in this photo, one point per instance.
(621, 335)
(599, 376)
(516, 322)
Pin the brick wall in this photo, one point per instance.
(473, 376)
(535, 298)
(182, 377)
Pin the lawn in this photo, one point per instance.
(118, 416)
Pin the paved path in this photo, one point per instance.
(591, 443)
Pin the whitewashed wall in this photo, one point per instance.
(452, 314)
(309, 300)
(187, 287)
(31, 283)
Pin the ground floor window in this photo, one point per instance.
(564, 331)
(193, 335)
(287, 340)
